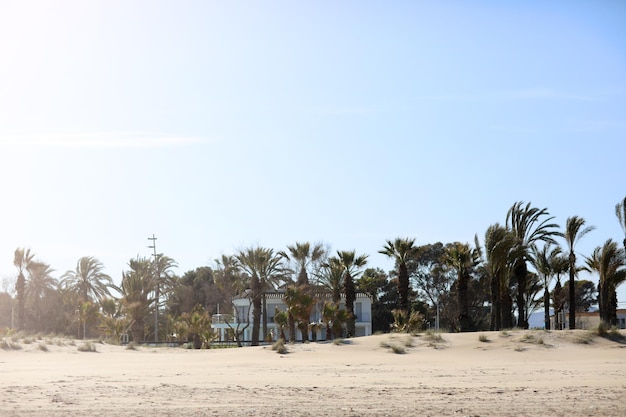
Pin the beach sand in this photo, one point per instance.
(515, 373)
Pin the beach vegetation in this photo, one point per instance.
(574, 230)
(87, 346)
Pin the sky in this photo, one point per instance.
(219, 125)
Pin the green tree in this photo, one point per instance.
(163, 281)
(433, 277)
(529, 225)
(136, 290)
(39, 285)
(401, 251)
(22, 260)
(463, 259)
(300, 303)
(265, 268)
(574, 231)
(88, 280)
(545, 261)
(500, 253)
(608, 261)
(331, 277)
(351, 265)
(305, 256)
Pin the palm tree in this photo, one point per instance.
(499, 253)
(620, 212)
(574, 230)
(401, 250)
(351, 266)
(304, 255)
(529, 226)
(163, 278)
(266, 269)
(608, 261)
(39, 284)
(545, 261)
(136, 289)
(331, 277)
(299, 305)
(463, 259)
(88, 280)
(22, 260)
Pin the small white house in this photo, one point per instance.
(241, 318)
(586, 320)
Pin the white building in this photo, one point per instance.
(241, 318)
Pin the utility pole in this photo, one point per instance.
(156, 290)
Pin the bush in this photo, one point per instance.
(483, 338)
(87, 347)
(43, 347)
(279, 347)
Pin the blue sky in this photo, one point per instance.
(220, 125)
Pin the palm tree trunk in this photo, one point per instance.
(520, 272)
(546, 308)
(572, 291)
(264, 316)
(403, 288)
(256, 309)
(496, 303)
(464, 320)
(507, 306)
(350, 297)
(20, 289)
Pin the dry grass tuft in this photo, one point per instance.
(279, 347)
(87, 347)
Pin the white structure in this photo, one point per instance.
(241, 319)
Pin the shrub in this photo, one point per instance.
(398, 349)
(131, 346)
(87, 347)
(483, 338)
(43, 347)
(279, 347)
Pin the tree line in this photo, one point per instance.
(457, 286)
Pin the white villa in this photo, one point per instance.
(241, 318)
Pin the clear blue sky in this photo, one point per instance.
(219, 125)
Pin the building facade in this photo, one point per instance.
(240, 320)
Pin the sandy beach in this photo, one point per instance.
(516, 373)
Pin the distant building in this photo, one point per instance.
(585, 320)
(241, 318)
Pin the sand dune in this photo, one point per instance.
(517, 373)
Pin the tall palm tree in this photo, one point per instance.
(620, 212)
(136, 291)
(500, 247)
(352, 267)
(331, 277)
(463, 258)
(39, 284)
(22, 260)
(251, 260)
(163, 278)
(266, 269)
(545, 261)
(401, 251)
(529, 225)
(88, 280)
(608, 262)
(574, 231)
(304, 255)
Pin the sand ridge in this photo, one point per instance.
(515, 373)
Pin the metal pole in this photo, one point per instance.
(156, 305)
